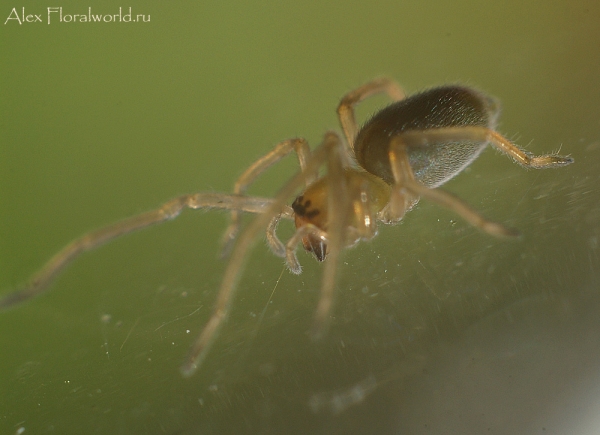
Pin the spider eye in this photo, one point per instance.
(316, 245)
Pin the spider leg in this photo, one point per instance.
(524, 158)
(401, 200)
(339, 209)
(483, 134)
(460, 207)
(273, 241)
(282, 149)
(235, 266)
(408, 186)
(345, 109)
(40, 281)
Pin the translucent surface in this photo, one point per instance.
(437, 328)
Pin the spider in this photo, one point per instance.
(377, 174)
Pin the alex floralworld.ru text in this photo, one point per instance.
(56, 14)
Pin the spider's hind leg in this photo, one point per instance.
(406, 186)
(405, 179)
(525, 158)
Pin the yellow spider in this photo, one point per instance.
(376, 174)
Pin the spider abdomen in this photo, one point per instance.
(435, 163)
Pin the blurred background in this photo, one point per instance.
(437, 328)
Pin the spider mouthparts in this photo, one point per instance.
(316, 245)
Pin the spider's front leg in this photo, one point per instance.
(335, 212)
(39, 282)
(282, 149)
(339, 210)
(239, 253)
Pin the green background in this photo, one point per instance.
(441, 328)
